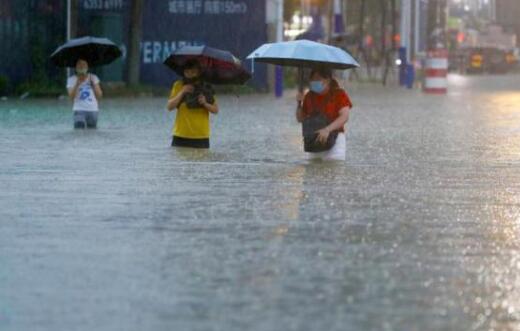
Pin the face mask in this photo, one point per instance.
(82, 71)
(317, 86)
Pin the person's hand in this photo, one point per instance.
(299, 98)
(81, 79)
(202, 100)
(323, 135)
(187, 89)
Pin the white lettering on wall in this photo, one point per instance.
(210, 7)
(157, 51)
(103, 4)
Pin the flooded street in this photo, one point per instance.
(112, 229)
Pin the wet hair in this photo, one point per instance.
(192, 64)
(322, 71)
(326, 73)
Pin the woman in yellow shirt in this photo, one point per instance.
(192, 126)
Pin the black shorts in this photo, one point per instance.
(188, 142)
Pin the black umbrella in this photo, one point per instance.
(218, 66)
(96, 51)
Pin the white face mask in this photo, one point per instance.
(82, 71)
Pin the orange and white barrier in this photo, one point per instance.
(436, 72)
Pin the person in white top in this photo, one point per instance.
(84, 90)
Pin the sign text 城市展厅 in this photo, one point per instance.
(102, 4)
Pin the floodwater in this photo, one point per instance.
(112, 229)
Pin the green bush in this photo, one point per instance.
(4, 85)
(40, 89)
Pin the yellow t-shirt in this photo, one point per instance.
(190, 123)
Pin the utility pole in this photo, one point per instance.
(274, 20)
(330, 21)
(134, 51)
(279, 20)
(406, 27)
(72, 18)
(72, 24)
(417, 27)
(302, 9)
(339, 26)
(279, 38)
(344, 13)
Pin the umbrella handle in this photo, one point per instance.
(300, 80)
(300, 84)
(252, 65)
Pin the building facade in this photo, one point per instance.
(29, 32)
(507, 14)
(235, 25)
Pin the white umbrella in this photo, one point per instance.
(303, 53)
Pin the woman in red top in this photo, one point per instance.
(327, 97)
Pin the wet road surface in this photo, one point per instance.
(112, 229)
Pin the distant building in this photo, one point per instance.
(507, 13)
(236, 25)
(483, 9)
(31, 30)
(491, 37)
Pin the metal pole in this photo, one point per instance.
(344, 12)
(302, 8)
(68, 19)
(417, 27)
(403, 27)
(330, 15)
(407, 15)
(279, 38)
(279, 20)
(338, 17)
(406, 45)
(69, 25)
